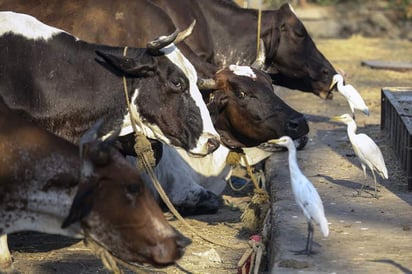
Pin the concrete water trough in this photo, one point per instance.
(396, 122)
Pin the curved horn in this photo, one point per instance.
(185, 33)
(94, 133)
(206, 83)
(260, 59)
(90, 136)
(161, 42)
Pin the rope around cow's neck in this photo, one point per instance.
(259, 24)
(148, 167)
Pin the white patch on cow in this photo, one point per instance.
(242, 71)
(209, 165)
(45, 209)
(149, 130)
(291, 9)
(26, 25)
(48, 224)
(214, 163)
(175, 56)
(162, 229)
(183, 184)
(232, 57)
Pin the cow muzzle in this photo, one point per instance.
(297, 127)
(207, 144)
(163, 255)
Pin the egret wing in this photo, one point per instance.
(309, 200)
(370, 154)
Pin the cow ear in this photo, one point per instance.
(82, 204)
(220, 98)
(140, 66)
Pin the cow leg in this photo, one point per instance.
(197, 203)
(5, 257)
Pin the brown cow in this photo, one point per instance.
(45, 186)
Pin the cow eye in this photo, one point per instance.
(299, 31)
(179, 85)
(242, 95)
(133, 188)
(282, 27)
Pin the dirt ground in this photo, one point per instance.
(367, 235)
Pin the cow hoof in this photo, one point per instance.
(208, 203)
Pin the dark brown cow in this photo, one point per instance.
(224, 34)
(46, 187)
(246, 112)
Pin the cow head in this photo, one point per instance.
(292, 57)
(165, 98)
(117, 211)
(246, 111)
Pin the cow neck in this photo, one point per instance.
(272, 40)
(142, 145)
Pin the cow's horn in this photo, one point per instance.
(260, 59)
(185, 33)
(161, 42)
(206, 83)
(90, 136)
(95, 136)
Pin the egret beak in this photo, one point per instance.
(336, 119)
(274, 141)
(332, 84)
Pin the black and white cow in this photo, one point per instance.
(45, 186)
(66, 86)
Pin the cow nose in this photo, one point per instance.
(212, 144)
(182, 241)
(298, 125)
(293, 125)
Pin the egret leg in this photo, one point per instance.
(309, 241)
(363, 185)
(374, 180)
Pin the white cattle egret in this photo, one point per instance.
(305, 194)
(365, 148)
(351, 95)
